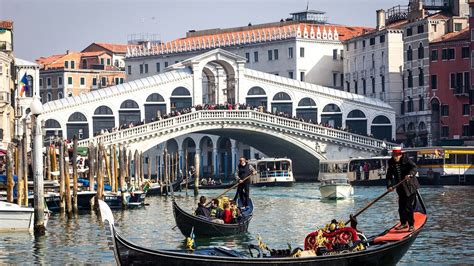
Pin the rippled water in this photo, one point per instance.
(281, 216)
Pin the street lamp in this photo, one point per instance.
(36, 109)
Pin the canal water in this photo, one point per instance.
(281, 216)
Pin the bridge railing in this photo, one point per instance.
(239, 116)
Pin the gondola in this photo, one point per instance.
(215, 186)
(203, 227)
(386, 248)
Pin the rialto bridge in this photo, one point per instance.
(220, 136)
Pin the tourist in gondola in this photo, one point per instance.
(215, 210)
(243, 170)
(201, 209)
(401, 167)
(227, 214)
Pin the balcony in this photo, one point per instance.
(5, 97)
(5, 46)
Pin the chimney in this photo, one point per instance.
(67, 51)
(380, 19)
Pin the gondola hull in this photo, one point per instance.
(221, 186)
(203, 227)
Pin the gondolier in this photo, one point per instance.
(401, 167)
(243, 170)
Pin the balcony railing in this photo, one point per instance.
(5, 46)
(5, 97)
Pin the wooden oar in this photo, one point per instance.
(229, 189)
(375, 200)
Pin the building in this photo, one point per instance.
(373, 62)
(74, 73)
(450, 84)
(7, 77)
(426, 22)
(471, 93)
(304, 47)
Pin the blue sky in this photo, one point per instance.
(46, 27)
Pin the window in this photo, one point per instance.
(434, 27)
(60, 81)
(334, 54)
(255, 56)
(166, 64)
(420, 29)
(302, 75)
(270, 55)
(69, 80)
(466, 109)
(467, 82)
(383, 83)
(372, 41)
(410, 79)
(444, 110)
(60, 95)
(48, 82)
(434, 55)
(341, 80)
(465, 52)
(409, 53)
(66, 64)
(73, 64)
(444, 131)
(382, 38)
(121, 80)
(421, 77)
(334, 79)
(409, 32)
(373, 60)
(275, 54)
(356, 87)
(146, 68)
(355, 45)
(465, 132)
(158, 67)
(117, 80)
(452, 80)
(364, 86)
(348, 86)
(434, 82)
(290, 52)
(410, 104)
(41, 82)
(129, 70)
(247, 55)
(451, 54)
(444, 54)
(83, 81)
(94, 81)
(402, 108)
(103, 81)
(342, 54)
(108, 61)
(457, 26)
(141, 68)
(363, 43)
(102, 61)
(421, 51)
(301, 51)
(373, 84)
(421, 103)
(290, 74)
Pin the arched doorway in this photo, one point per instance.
(435, 121)
(180, 99)
(356, 122)
(103, 119)
(222, 82)
(129, 113)
(77, 125)
(307, 110)
(208, 86)
(282, 103)
(52, 128)
(154, 106)
(256, 97)
(422, 138)
(381, 128)
(331, 116)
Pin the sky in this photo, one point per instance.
(47, 27)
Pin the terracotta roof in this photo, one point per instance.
(57, 61)
(462, 35)
(440, 15)
(91, 54)
(328, 32)
(114, 48)
(6, 24)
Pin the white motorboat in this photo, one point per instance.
(272, 172)
(17, 218)
(338, 188)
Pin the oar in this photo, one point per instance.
(229, 189)
(375, 200)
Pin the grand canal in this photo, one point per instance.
(281, 216)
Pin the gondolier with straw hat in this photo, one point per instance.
(400, 167)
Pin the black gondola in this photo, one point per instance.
(156, 190)
(133, 200)
(215, 186)
(203, 227)
(381, 250)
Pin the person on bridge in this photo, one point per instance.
(401, 167)
(244, 169)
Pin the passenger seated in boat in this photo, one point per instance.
(204, 182)
(216, 212)
(227, 214)
(235, 211)
(201, 209)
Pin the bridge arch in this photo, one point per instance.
(256, 96)
(282, 102)
(356, 122)
(155, 106)
(332, 115)
(307, 109)
(180, 99)
(103, 119)
(129, 112)
(381, 128)
(77, 125)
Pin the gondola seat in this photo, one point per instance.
(396, 235)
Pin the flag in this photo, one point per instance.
(23, 85)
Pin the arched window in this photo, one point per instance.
(381, 128)
(356, 114)
(76, 117)
(49, 97)
(103, 110)
(180, 99)
(307, 110)
(409, 53)
(51, 123)
(331, 116)
(103, 119)
(282, 96)
(52, 128)
(282, 104)
(356, 122)
(307, 102)
(155, 107)
(256, 91)
(77, 126)
(129, 104)
(60, 95)
(155, 97)
(381, 119)
(331, 108)
(180, 91)
(421, 51)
